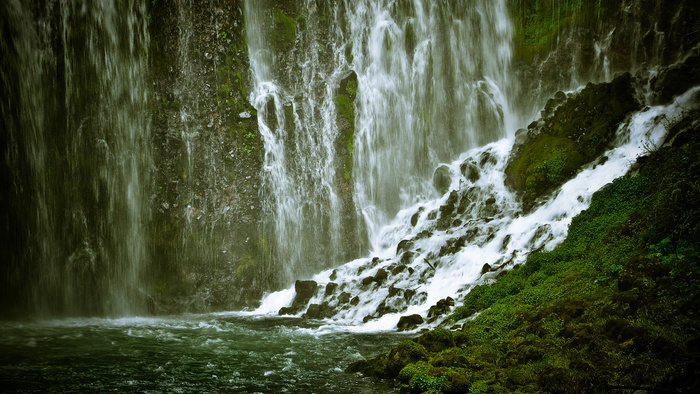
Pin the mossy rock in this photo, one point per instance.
(388, 365)
(578, 132)
(285, 29)
(437, 340)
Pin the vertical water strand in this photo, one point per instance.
(78, 144)
(433, 82)
(108, 156)
(297, 73)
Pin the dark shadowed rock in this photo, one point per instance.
(381, 275)
(442, 177)
(398, 269)
(441, 307)
(470, 170)
(408, 294)
(344, 298)
(330, 288)
(313, 312)
(286, 311)
(486, 268)
(409, 322)
(305, 290)
(403, 246)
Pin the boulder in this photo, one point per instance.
(381, 275)
(322, 311)
(441, 307)
(313, 312)
(442, 177)
(330, 288)
(675, 80)
(409, 322)
(305, 290)
(579, 130)
(344, 298)
(403, 246)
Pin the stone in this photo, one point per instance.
(470, 170)
(408, 294)
(313, 312)
(355, 300)
(381, 275)
(409, 322)
(344, 298)
(442, 177)
(305, 290)
(441, 307)
(414, 218)
(403, 246)
(330, 288)
(486, 268)
(398, 269)
(286, 311)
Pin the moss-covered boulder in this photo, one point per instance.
(388, 365)
(578, 132)
(409, 322)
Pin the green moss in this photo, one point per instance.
(285, 28)
(539, 25)
(579, 131)
(346, 109)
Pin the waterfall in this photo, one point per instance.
(294, 95)
(358, 102)
(77, 157)
(434, 81)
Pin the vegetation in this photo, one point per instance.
(285, 28)
(615, 305)
(576, 133)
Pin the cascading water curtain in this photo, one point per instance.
(432, 80)
(296, 74)
(77, 155)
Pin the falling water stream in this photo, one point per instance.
(74, 107)
(350, 204)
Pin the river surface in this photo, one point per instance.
(189, 353)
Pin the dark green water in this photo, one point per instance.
(191, 353)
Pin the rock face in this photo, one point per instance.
(206, 250)
(560, 45)
(676, 80)
(576, 133)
